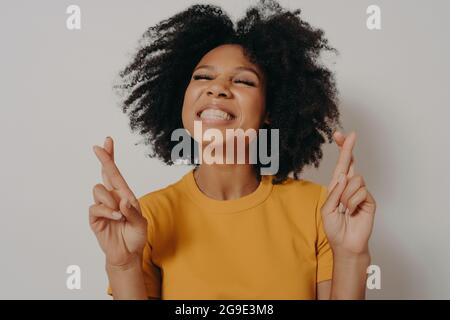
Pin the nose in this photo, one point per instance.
(218, 89)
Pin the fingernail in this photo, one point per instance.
(347, 211)
(341, 207)
(341, 178)
(116, 215)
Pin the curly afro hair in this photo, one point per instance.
(301, 95)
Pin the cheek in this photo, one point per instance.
(253, 108)
(187, 113)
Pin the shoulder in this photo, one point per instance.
(301, 200)
(172, 191)
(303, 188)
(162, 200)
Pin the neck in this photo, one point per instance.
(226, 182)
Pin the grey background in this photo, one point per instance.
(57, 101)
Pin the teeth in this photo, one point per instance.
(215, 114)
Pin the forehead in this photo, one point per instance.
(228, 56)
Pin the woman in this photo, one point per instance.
(224, 231)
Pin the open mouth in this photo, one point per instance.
(215, 114)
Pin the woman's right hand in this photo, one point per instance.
(116, 216)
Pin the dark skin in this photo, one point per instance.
(226, 77)
(226, 81)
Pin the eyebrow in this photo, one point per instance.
(240, 68)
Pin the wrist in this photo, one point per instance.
(134, 262)
(351, 258)
(127, 280)
(353, 252)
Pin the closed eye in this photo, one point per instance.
(249, 83)
(202, 76)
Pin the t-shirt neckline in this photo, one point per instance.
(228, 206)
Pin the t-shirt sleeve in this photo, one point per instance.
(323, 249)
(152, 273)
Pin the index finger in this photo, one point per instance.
(109, 146)
(345, 156)
(110, 169)
(339, 138)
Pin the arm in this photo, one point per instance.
(127, 282)
(348, 217)
(349, 279)
(324, 290)
(120, 228)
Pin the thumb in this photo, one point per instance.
(335, 194)
(129, 211)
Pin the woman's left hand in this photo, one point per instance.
(348, 212)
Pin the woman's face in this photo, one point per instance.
(226, 91)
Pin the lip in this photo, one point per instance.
(216, 106)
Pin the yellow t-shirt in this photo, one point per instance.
(269, 244)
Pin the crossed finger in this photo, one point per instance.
(345, 164)
(339, 138)
(113, 175)
(108, 145)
